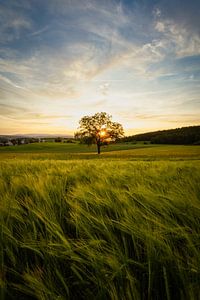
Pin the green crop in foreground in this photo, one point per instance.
(100, 230)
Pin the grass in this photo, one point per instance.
(69, 148)
(63, 151)
(101, 228)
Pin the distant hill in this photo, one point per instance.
(179, 136)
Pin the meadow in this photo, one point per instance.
(122, 225)
(126, 151)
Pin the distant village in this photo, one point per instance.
(11, 141)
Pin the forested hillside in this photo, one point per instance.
(179, 136)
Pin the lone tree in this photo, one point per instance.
(98, 129)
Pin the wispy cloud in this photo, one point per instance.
(87, 55)
(12, 23)
(41, 30)
(178, 39)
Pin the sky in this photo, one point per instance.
(137, 60)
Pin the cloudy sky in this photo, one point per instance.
(137, 60)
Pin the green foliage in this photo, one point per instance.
(97, 129)
(108, 230)
(88, 140)
(58, 140)
(179, 136)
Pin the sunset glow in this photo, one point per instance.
(102, 133)
(136, 60)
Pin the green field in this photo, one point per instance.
(65, 147)
(122, 225)
(63, 151)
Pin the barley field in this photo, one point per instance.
(125, 225)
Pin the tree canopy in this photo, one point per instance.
(178, 136)
(98, 129)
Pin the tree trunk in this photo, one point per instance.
(98, 147)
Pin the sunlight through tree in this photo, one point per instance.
(98, 129)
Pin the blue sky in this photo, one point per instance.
(60, 60)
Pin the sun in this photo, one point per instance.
(102, 133)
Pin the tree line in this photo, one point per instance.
(179, 136)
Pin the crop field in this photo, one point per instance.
(123, 225)
(127, 151)
(53, 147)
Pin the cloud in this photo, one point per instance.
(178, 39)
(100, 103)
(104, 88)
(182, 12)
(162, 118)
(6, 109)
(10, 82)
(44, 70)
(41, 30)
(13, 23)
(157, 12)
(27, 74)
(68, 55)
(179, 27)
(22, 117)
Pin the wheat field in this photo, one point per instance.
(100, 229)
(124, 225)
